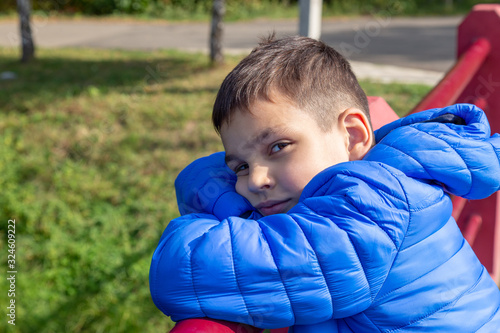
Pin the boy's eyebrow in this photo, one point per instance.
(261, 136)
(229, 158)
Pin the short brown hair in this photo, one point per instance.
(307, 72)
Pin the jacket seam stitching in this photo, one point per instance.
(156, 293)
(368, 319)
(192, 276)
(437, 310)
(494, 313)
(385, 166)
(369, 218)
(420, 277)
(407, 204)
(279, 272)
(437, 202)
(495, 152)
(408, 155)
(456, 152)
(236, 275)
(372, 297)
(319, 262)
(369, 182)
(407, 227)
(217, 200)
(421, 240)
(365, 180)
(489, 319)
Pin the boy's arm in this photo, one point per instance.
(327, 257)
(463, 157)
(207, 186)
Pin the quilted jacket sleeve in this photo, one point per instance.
(207, 186)
(327, 258)
(463, 158)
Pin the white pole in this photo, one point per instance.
(310, 18)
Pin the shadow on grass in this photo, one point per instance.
(187, 91)
(50, 78)
(66, 313)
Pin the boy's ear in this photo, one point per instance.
(358, 131)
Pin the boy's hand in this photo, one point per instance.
(207, 185)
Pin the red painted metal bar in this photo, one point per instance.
(456, 80)
(280, 330)
(472, 228)
(207, 325)
(483, 90)
(458, 206)
(481, 103)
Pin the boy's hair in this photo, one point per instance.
(307, 72)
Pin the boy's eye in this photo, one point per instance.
(240, 168)
(279, 146)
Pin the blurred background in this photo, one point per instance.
(236, 9)
(105, 101)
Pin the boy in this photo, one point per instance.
(314, 227)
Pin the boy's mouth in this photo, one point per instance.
(271, 207)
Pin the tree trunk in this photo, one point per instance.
(28, 48)
(218, 11)
(448, 4)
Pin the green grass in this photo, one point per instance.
(401, 97)
(90, 144)
(237, 10)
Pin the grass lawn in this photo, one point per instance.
(237, 10)
(90, 144)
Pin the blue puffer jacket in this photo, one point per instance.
(370, 247)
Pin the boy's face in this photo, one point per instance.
(275, 150)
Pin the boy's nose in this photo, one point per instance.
(259, 179)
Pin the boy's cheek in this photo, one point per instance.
(242, 189)
(239, 188)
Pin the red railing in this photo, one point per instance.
(475, 78)
(456, 80)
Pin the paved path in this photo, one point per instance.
(390, 49)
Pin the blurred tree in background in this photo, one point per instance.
(28, 48)
(158, 8)
(216, 31)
